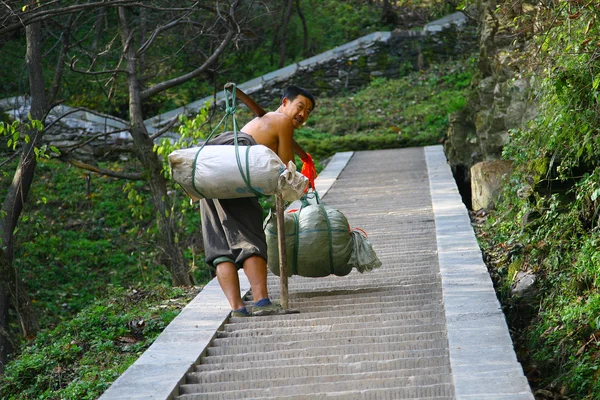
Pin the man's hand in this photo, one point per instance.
(309, 170)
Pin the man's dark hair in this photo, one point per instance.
(291, 92)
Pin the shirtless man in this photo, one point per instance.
(232, 229)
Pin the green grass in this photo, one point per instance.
(389, 113)
(75, 240)
(81, 357)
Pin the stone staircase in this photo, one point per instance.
(426, 325)
(380, 334)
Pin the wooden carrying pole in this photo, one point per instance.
(283, 278)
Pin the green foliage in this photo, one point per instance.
(17, 134)
(548, 220)
(190, 133)
(81, 357)
(330, 23)
(78, 231)
(83, 236)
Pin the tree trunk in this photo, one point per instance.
(388, 15)
(304, 30)
(5, 347)
(276, 34)
(100, 15)
(284, 27)
(171, 253)
(12, 285)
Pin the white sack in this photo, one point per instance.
(218, 175)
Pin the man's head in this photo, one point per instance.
(297, 103)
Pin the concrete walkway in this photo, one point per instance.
(426, 325)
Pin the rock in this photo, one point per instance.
(486, 182)
(461, 145)
(524, 286)
(544, 394)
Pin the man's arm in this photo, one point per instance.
(298, 150)
(285, 145)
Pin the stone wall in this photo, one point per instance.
(501, 101)
(83, 134)
(392, 56)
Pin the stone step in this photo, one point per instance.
(400, 276)
(309, 319)
(435, 392)
(306, 290)
(313, 370)
(302, 359)
(289, 387)
(310, 380)
(347, 330)
(349, 346)
(408, 318)
(407, 303)
(325, 340)
(402, 285)
(297, 291)
(366, 298)
(379, 277)
(345, 352)
(379, 307)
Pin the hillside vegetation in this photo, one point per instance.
(86, 243)
(96, 240)
(548, 223)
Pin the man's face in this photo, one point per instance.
(298, 110)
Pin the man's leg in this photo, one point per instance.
(227, 275)
(255, 268)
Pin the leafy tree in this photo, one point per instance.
(134, 65)
(547, 222)
(11, 286)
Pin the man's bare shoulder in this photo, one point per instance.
(271, 121)
(277, 117)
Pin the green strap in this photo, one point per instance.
(296, 216)
(296, 242)
(229, 110)
(330, 233)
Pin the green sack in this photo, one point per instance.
(318, 242)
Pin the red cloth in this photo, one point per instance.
(309, 170)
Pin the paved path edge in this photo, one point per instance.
(159, 371)
(482, 357)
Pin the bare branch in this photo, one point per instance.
(160, 29)
(33, 16)
(105, 72)
(171, 124)
(98, 136)
(191, 75)
(10, 158)
(74, 110)
(107, 172)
